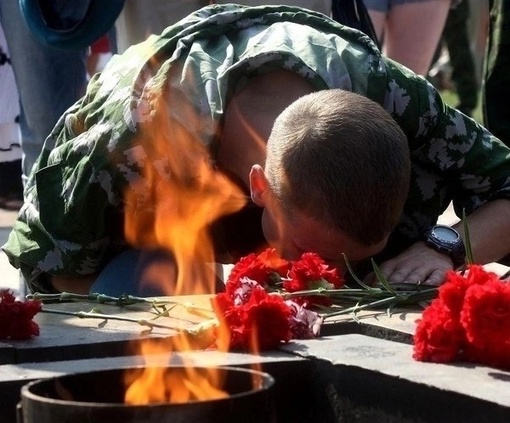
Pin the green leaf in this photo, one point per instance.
(274, 279)
(381, 278)
(467, 241)
(320, 284)
(353, 275)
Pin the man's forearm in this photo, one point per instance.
(489, 231)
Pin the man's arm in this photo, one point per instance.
(489, 231)
(489, 237)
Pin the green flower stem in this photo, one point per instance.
(160, 307)
(399, 299)
(123, 300)
(360, 294)
(365, 298)
(467, 240)
(354, 309)
(158, 304)
(94, 315)
(341, 292)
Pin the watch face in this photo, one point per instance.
(447, 241)
(445, 233)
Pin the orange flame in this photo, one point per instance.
(180, 195)
(171, 208)
(153, 384)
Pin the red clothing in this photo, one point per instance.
(101, 45)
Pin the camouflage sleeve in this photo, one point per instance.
(454, 157)
(72, 219)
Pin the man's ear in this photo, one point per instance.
(258, 185)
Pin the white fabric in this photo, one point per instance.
(323, 6)
(141, 18)
(9, 107)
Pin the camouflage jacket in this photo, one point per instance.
(72, 221)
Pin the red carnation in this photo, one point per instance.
(259, 268)
(261, 322)
(266, 320)
(485, 318)
(470, 320)
(439, 335)
(477, 275)
(311, 272)
(452, 292)
(16, 317)
(454, 289)
(272, 260)
(229, 316)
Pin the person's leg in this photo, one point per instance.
(322, 6)
(461, 58)
(124, 275)
(11, 190)
(137, 21)
(412, 32)
(49, 80)
(150, 273)
(497, 72)
(378, 10)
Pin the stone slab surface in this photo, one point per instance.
(395, 359)
(344, 378)
(64, 337)
(373, 352)
(380, 380)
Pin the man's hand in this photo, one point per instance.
(419, 264)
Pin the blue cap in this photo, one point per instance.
(70, 25)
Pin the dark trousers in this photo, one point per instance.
(455, 36)
(496, 93)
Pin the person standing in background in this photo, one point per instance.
(496, 91)
(454, 66)
(323, 6)
(101, 51)
(457, 41)
(409, 30)
(11, 190)
(49, 80)
(141, 18)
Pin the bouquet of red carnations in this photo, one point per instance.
(468, 321)
(254, 308)
(269, 300)
(272, 300)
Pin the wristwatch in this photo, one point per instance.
(447, 240)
